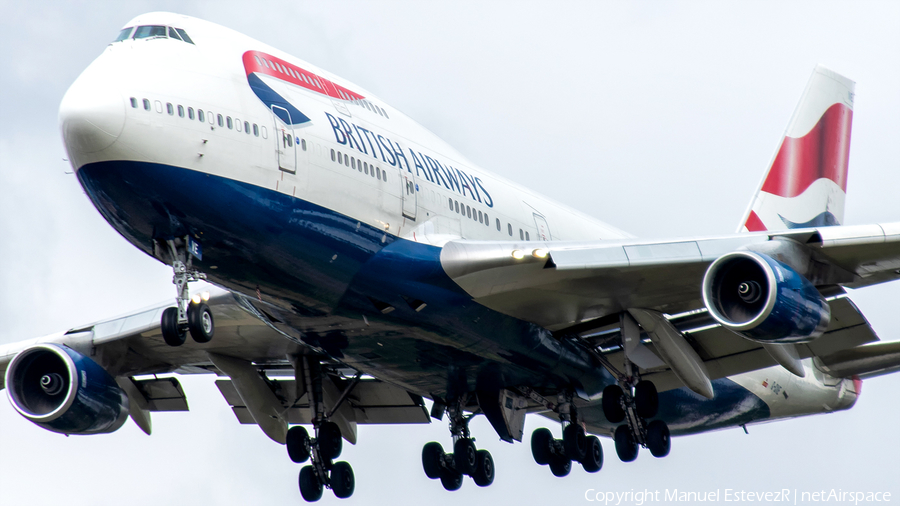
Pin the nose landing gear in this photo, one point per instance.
(187, 316)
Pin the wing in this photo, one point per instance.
(132, 350)
(581, 289)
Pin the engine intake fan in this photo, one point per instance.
(763, 299)
(64, 391)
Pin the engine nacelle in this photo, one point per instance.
(763, 299)
(64, 391)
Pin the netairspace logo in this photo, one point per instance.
(728, 495)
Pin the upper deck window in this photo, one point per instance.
(146, 32)
(124, 34)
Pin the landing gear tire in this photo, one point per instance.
(342, 480)
(593, 457)
(329, 441)
(465, 456)
(200, 322)
(612, 403)
(658, 440)
(626, 447)
(560, 466)
(451, 480)
(171, 331)
(540, 445)
(310, 486)
(432, 455)
(484, 469)
(297, 443)
(574, 442)
(646, 399)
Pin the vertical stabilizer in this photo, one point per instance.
(806, 184)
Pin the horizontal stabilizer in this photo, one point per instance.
(864, 361)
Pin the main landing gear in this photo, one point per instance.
(466, 459)
(575, 445)
(187, 315)
(635, 405)
(321, 450)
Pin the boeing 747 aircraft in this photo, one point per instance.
(361, 265)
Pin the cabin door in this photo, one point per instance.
(409, 195)
(542, 228)
(285, 142)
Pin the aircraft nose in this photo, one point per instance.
(91, 116)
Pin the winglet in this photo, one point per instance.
(806, 183)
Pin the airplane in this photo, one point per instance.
(376, 281)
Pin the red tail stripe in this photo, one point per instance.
(754, 224)
(822, 153)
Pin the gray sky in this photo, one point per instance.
(658, 118)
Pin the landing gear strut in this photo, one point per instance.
(466, 459)
(634, 404)
(575, 445)
(323, 449)
(187, 316)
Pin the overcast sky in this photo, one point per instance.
(658, 118)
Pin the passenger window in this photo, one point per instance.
(521, 235)
(509, 227)
(498, 224)
(133, 103)
(173, 34)
(247, 127)
(378, 170)
(487, 221)
(451, 203)
(190, 113)
(480, 217)
(340, 157)
(146, 105)
(221, 120)
(124, 34)
(255, 130)
(332, 155)
(200, 117)
(456, 204)
(303, 144)
(527, 238)
(468, 211)
(346, 160)
(211, 116)
(237, 124)
(230, 123)
(184, 36)
(265, 133)
(169, 108)
(366, 168)
(158, 106)
(384, 176)
(145, 32)
(180, 111)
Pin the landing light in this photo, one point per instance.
(517, 254)
(196, 298)
(204, 296)
(540, 253)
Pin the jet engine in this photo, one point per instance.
(64, 391)
(763, 299)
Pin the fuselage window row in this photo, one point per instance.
(233, 123)
(358, 165)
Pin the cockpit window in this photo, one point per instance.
(173, 34)
(124, 34)
(184, 36)
(146, 32)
